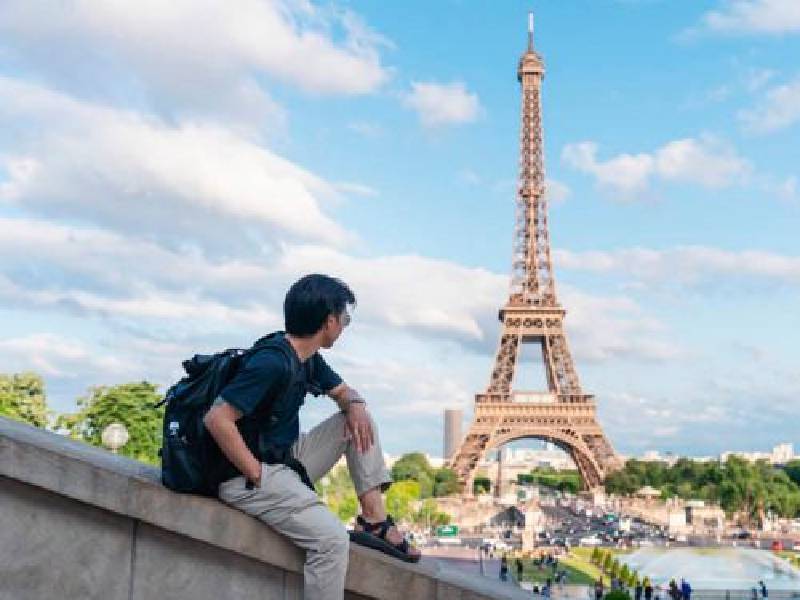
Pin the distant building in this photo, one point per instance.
(780, 455)
(453, 418)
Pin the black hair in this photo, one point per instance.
(310, 301)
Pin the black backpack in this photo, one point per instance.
(190, 457)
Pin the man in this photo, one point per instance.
(686, 590)
(598, 589)
(648, 589)
(259, 409)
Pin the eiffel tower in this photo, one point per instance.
(564, 414)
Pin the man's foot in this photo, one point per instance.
(386, 537)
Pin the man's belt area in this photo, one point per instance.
(273, 455)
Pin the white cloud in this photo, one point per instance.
(355, 189)
(557, 191)
(614, 328)
(773, 17)
(188, 59)
(193, 183)
(436, 297)
(626, 172)
(54, 356)
(780, 108)
(687, 265)
(705, 161)
(442, 104)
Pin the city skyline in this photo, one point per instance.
(156, 199)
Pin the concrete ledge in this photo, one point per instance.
(145, 532)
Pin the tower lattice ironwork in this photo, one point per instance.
(564, 414)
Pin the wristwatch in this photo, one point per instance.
(354, 401)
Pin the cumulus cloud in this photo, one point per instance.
(771, 17)
(687, 265)
(184, 59)
(778, 109)
(411, 292)
(612, 328)
(440, 104)
(54, 356)
(195, 184)
(705, 161)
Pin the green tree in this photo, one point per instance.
(595, 555)
(22, 397)
(481, 485)
(792, 469)
(415, 466)
(133, 405)
(338, 493)
(736, 485)
(607, 561)
(445, 482)
(429, 514)
(624, 573)
(400, 499)
(613, 571)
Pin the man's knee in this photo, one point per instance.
(335, 541)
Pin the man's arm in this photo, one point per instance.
(344, 395)
(358, 425)
(221, 424)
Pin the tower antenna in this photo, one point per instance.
(530, 31)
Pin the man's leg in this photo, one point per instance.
(323, 446)
(320, 448)
(287, 505)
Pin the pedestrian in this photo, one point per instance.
(267, 467)
(686, 590)
(598, 589)
(648, 589)
(764, 592)
(637, 590)
(674, 592)
(547, 588)
(518, 564)
(504, 568)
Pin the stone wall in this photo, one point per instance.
(77, 522)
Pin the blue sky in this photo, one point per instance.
(167, 171)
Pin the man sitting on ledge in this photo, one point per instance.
(262, 402)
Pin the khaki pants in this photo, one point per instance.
(284, 503)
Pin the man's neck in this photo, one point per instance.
(304, 347)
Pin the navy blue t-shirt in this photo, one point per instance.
(265, 376)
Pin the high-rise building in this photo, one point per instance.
(453, 418)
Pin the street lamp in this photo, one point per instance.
(114, 436)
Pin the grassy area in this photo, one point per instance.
(792, 557)
(577, 564)
(576, 573)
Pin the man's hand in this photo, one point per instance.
(358, 427)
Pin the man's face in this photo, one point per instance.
(334, 326)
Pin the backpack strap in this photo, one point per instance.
(269, 454)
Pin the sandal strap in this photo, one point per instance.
(378, 529)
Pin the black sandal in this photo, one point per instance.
(374, 536)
